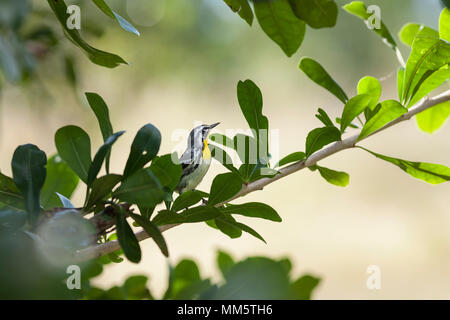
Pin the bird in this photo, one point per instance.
(195, 161)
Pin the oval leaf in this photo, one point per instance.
(224, 187)
(74, 147)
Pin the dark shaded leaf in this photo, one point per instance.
(99, 57)
(228, 226)
(60, 178)
(224, 186)
(100, 156)
(144, 148)
(166, 170)
(102, 187)
(74, 147)
(187, 199)
(252, 209)
(153, 231)
(127, 238)
(317, 13)
(251, 103)
(141, 188)
(10, 195)
(224, 261)
(303, 287)
(193, 215)
(101, 111)
(28, 168)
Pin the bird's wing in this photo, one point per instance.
(190, 160)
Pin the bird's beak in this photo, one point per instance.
(214, 125)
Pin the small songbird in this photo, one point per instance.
(196, 159)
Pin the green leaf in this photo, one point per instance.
(224, 186)
(351, 125)
(28, 168)
(338, 178)
(127, 238)
(252, 209)
(74, 147)
(99, 57)
(153, 231)
(250, 231)
(358, 8)
(444, 25)
(400, 78)
(193, 215)
(247, 149)
(224, 261)
(242, 8)
(256, 278)
(251, 103)
(428, 55)
(353, 108)
(100, 156)
(317, 13)
(228, 226)
(303, 287)
(144, 148)
(188, 199)
(390, 110)
(11, 218)
(320, 137)
(221, 156)
(135, 288)
(429, 84)
(222, 139)
(324, 118)
(319, 75)
(102, 187)
(428, 172)
(432, 119)
(166, 170)
(293, 157)
(101, 111)
(10, 195)
(141, 188)
(123, 23)
(408, 33)
(281, 25)
(372, 87)
(61, 179)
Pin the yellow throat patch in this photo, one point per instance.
(206, 151)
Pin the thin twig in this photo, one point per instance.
(426, 103)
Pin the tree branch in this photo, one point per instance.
(426, 103)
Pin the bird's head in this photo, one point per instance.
(199, 134)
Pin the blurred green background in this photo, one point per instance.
(184, 68)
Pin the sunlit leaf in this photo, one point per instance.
(433, 118)
(353, 108)
(320, 137)
(390, 110)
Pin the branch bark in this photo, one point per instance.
(350, 142)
